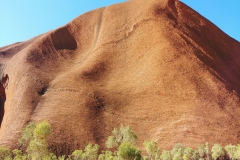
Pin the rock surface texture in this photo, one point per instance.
(157, 66)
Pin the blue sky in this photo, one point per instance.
(21, 20)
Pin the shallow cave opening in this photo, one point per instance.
(43, 90)
(3, 53)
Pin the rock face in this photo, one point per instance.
(156, 65)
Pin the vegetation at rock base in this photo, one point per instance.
(33, 146)
(124, 134)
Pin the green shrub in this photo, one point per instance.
(5, 153)
(18, 155)
(127, 151)
(217, 152)
(111, 142)
(38, 147)
(166, 155)
(62, 157)
(124, 134)
(201, 151)
(78, 155)
(108, 155)
(195, 155)
(51, 156)
(231, 149)
(177, 152)
(152, 150)
(27, 135)
(207, 151)
(42, 130)
(237, 152)
(90, 153)
(187, 153)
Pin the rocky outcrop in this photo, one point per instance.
(157, 66)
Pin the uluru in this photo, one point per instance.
(157, 66)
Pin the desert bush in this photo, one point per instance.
(42, 130)
(52, 156)
(5, 153)
(201, 151)
(195, 155)
(38, 147)
(18, 155)
(207, 151)
(152, 150)
(111, 142)
(62, 157)
(108, 155)
(231, 151)
(166, 155)
(124, 134)
(237, 152)
(78, 155)
(27, 135)
(177, 152)
(217, 152)
(90, 153)
(127, 151)
(187, 153)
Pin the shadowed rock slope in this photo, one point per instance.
(157, 66)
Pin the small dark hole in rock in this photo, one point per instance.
(3, 53)
(42, 91)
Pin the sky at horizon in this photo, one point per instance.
(23, 20)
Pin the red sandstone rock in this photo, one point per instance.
(157, 66)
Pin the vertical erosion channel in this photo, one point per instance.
(3, 86)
